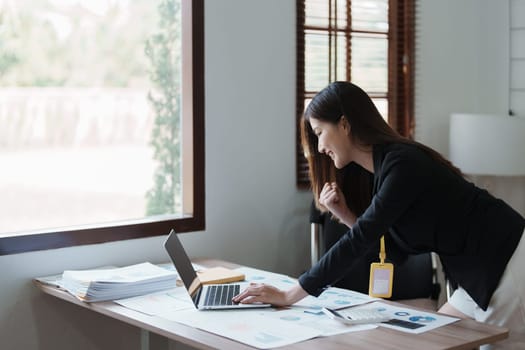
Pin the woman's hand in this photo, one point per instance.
(333, 199)
(263, 293)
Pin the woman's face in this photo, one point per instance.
(334, 140)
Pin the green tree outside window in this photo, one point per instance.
(163, 51)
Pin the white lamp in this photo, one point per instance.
(488, 144)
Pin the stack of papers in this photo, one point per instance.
(117, 283)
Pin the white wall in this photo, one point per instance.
(254, 214)
(517, 56)
(461, 63)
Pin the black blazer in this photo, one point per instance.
(424, 206)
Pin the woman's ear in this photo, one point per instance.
(345, 124)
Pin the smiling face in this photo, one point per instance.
(334, 140)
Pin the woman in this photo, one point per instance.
(420, 201)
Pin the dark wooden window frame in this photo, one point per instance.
(148, 227)
(400, 75)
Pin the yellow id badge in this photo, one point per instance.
(381, 277)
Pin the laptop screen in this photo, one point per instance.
(183, 265)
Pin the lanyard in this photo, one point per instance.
(382, 251)
(381, 275)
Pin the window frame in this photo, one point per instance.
(401, 59)
(152, 226)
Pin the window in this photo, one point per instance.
(101, 106)
(367, 42)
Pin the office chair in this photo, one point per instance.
(415, 278)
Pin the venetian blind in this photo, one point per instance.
(367, 42)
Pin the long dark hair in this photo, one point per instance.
(367, 127)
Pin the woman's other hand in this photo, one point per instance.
(333, 199)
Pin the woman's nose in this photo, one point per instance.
(320, 147)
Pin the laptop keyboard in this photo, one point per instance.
(221, 294)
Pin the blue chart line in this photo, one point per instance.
(266, 338)
(290, 318)
(401, 313)
(422, 319)
(315, 307)
(317, 313)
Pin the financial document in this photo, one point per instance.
(260, 328)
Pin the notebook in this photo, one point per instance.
(219, 274)
(209, 296)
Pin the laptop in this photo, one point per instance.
(209, 296)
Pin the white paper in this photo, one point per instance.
(55, 280)
(159, 304)
(313, 318)
(260, 276)
(169, 266)
(246, 326)
(116, 283)
(336, 298)
(425, 321)
(127, 274)
(262, 328)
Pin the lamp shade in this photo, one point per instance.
(488, 144)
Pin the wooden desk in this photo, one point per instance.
(464, 334)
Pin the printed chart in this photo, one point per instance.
(408, 320)
(274, 327)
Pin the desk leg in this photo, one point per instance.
(144, 339)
